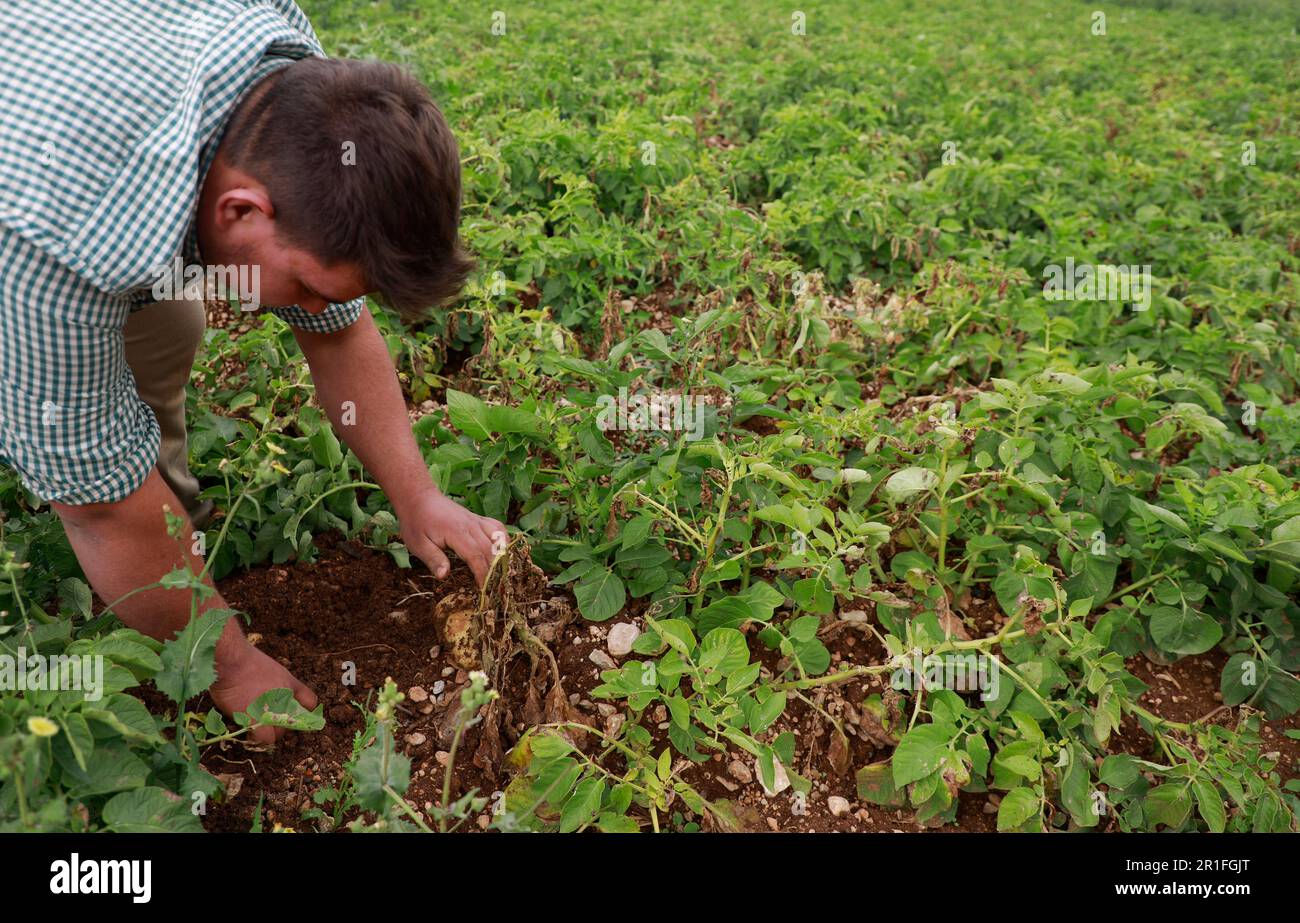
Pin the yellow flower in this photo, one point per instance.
(278, 829)
(42, 727)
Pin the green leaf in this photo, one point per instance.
(875, 783)
(1159, 512)
(549, 746)
(727, 612)
(1106, 717)
(1017, 807)
(743, 678)
(679, 711)
(188, 660)
(504, 419)
(582, 807)
(1076, 788)
(1221, 544)
(1209, 803)
(1242, 677)
(921, 751)
(128, 716)
(616, 823)
(908, 483)
(1169, 804)
(1020, 758)
(78, 738)
(371, 777)
(1288, 531)
(978, 749)
(1118, 771)
(813, 656)
(764, 714)
(74, 594)
(468, 414)
(1049, 382)
(278, 708)
(636, 531)
(676, 634)
(600, 594)
(150, 810)
(664, 767)
(325, 448)
(1183, 630)
(133, 655)
(114, 768)
(724, 650)
(1281, 695)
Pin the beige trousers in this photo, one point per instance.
(161, 342)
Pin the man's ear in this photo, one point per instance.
(242, 203)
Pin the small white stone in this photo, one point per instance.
(417, 694)
(839, 806)
(621, 638)
(602, 660)
(415, 739)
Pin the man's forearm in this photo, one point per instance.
(124, 546)
(353, 365)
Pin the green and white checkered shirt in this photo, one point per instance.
(110, 114)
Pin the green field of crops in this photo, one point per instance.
(965, 332)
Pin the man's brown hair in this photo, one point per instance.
(393, 207)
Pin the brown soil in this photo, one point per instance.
(356, 605)
(1188, 691)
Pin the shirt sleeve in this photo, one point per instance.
(71, 421)
(334, 318)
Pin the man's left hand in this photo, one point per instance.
(438, 523)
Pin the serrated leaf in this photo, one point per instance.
(188, 660)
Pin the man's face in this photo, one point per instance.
(237, 228)
(289, 275)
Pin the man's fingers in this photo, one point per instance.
(496, 537)
(306, 698)
(266, 734)
(478, 546)
(433, 558)
(479, 561)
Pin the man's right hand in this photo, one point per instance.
(123, 546)
(244, 674)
